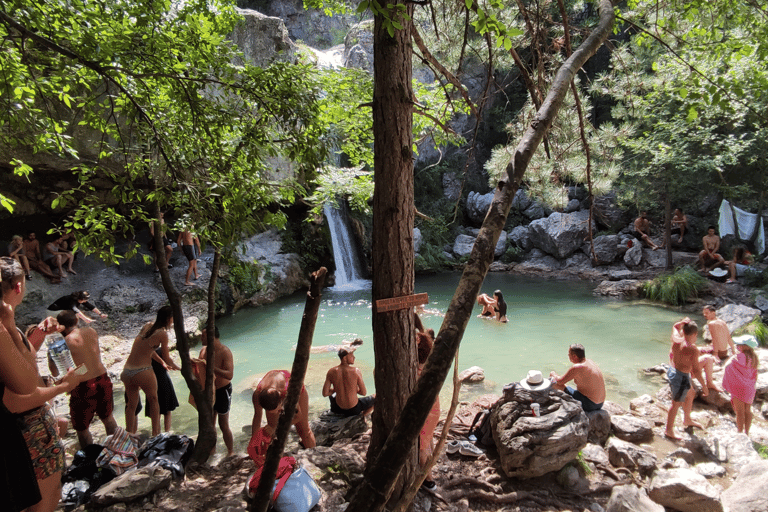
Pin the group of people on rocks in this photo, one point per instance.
(55, 255)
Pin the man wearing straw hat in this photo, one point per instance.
(590, 385)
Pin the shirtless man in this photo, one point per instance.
(711, 243)
(53, 254)
(189, 242)
(94, 395)
(223, 371)
(588, 379)
(342, 385)
(684, 359)
(268, 398)
(35, 258)
(679, 223)
(16, 251)
(643, 230)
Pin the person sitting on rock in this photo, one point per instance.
(679, 224)
(738, 266)
(588, 379)
(642, 230)
(342, 385)
(708, 257)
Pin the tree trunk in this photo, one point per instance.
(296, 382)
(392, 248)
(382, 471)
(668, 228)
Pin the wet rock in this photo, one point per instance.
(605, 249)
(747, 494)
(330, 427)
(132, 485)
(560, 234)
(627, 455)
(472, 375)
(630, 498)
(634, 255)
(631, 428)
(684, 490)
(599, 426)
(533, 446)
(626, 288)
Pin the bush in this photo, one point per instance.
(755, 278)
(675, 288)
(244, 276)
(512, 254)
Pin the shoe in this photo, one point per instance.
(452, 446)
(428, 484)
(170, 266)
(730, 281)
(28, 277)
(468, 449)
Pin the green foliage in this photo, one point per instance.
(244, 276)
(675, 288)
(761, 449)
(431, 258)
(512, 254)
(757, 328)
(755, 278)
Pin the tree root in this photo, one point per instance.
(478, 494)
(468, 481)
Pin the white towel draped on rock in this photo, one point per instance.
(745, 222)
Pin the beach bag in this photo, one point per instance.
(299, 493)
(169, 451)
(481, 429)
(257, 450)
(119, 452)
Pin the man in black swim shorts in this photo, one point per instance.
(223, 370)
(342, 385)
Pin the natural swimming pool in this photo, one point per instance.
(545, 317)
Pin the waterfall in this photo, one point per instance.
(349, 273)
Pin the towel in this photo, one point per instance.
(742, 226)
(740, 379)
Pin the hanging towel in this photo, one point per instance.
(745, 222)
(740, 378)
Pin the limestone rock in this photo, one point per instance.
(656, 259)
(463, 244)
(535, 211)
(630, 498)
(595, 453)
(501, 245)
(520, 237)
(627, 455)
(533, 446)
(747, 494)
(734, 448)
(451, 186)
(330, 427)
(605, 249)
(761, 387)
(619, 275)
(631, 428)
(737, 315)
(521, 201)
(560, 234)
(634, 255)
(358, 46)
(599, 426)
(263, 39)
(761, 303)
(683, 453)
(132, 485)
(684, 490)
(477, 206)
(607, 213)
(625, 288)
(417, 239)
(572, 206)
(472, 375)
(709, 469)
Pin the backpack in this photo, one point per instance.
(257, 450)
(481, 429)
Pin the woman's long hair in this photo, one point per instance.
(501, 306)
(163, 320)
(751, 356)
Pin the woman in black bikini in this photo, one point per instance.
(137, 372)
(500, 307)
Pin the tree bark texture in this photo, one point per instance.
(296, 382)
(392, 250)
(383, 470)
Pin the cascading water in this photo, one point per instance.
(349, 273)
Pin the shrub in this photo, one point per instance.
(755, 278)
(675, 288)
(244, 276)
(512, 254)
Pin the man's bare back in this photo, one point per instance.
(223, 362)
(83, 343)
(589, 380)
(347, 382)
(685, 358)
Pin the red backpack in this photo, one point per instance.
(257, 450)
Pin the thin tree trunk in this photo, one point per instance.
(382, 471)
(298, 370)
(668, 229)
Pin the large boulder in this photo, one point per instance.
(599, 426)
(477, 206)
(263, 39)
(463, 244)
(634, 254)
(417, 239)
(521, 201)
(747, 493)
(630, 498)
(606, 249)
(330, 427)
(132, 485)
(684, 490)
(607, 213)
(627, 455)
(560, 234)
(627, 288)
(532, 446)
(737, 315)
(521, 238)
(501, 245)
(631, 428)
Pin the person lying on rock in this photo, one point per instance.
(342, 385)
(586, 375)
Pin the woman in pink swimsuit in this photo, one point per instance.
(740, 379)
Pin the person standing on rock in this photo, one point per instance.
(223, 371)
(94, 395)
(586, 375)
(190, 246)
(342, 385)
(684, 359)
(740, 380)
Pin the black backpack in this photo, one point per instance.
(481, 429)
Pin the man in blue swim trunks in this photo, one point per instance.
(586, 375)
(342, 385)
(684, 359)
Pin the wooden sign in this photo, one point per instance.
(406, 301)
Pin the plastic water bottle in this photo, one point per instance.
(59, 352)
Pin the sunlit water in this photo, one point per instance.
(545, 317)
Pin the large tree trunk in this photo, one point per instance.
(392, 251)
(383, 471)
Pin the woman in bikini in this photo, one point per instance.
(500, 307)
(268, 398)
(137, 372)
